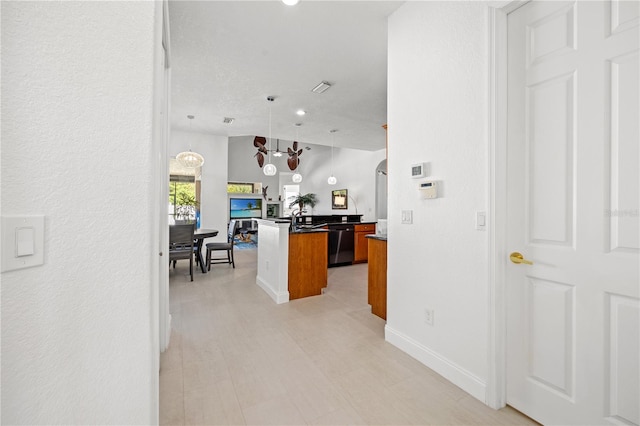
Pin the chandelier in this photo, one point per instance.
(190, 159)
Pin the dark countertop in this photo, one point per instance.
(377, 237)
(320, 225)
(307, 231)
(317, 227)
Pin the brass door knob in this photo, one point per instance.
(518, 258)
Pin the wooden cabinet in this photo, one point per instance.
(377, 277)
(361, 251)
(307, 264)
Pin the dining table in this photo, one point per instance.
(199, 235)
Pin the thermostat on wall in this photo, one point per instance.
(417, 170)
(429, 189)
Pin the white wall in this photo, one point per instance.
(77, 99)
(213, 212)
(243, 167)
(437, 108)
(354, 169)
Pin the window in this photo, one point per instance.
(184, 192)
(240, 188)
(290, 193)
(244, 187)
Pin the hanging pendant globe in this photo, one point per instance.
(332, 180)
(296, 178)
(269, 169)
(190, 159)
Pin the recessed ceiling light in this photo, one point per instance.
(290, 2)
(301, 112)
(322, 87)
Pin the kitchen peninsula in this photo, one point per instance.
(291, 264)
(293, 259)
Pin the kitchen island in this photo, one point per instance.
(291, 265)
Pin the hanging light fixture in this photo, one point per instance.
(190, 159)
(297, 177)
(332, 179)
(277, 152)
(269, 169)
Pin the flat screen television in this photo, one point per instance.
(245, 208)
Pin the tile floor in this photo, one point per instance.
(238, 358)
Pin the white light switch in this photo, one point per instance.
(481, 221)
(407, 216)
(22, 242)
(25, 239)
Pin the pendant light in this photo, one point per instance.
(277, 152)
(269, 169)
(190, 159)
(332, 179)
(297, 177)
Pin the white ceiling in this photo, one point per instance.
(228, 56)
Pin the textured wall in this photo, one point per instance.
(437, 110)
(77, 97)
(354, 169)
(243, 167)
(214, 176)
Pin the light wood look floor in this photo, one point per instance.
(238, 358)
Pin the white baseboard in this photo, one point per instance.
(278, 297)
(447, 369)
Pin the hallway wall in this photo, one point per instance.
(437, 110)
(77, 125)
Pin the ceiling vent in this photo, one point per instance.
(228, 120)
(322, 87)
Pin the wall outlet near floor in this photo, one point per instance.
(428, 316)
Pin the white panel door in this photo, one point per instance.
(573, 325)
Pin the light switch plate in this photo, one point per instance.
(22, 235)
(25, 241)
(481, 221)
(407, 216)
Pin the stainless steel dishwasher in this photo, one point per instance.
(341, 245)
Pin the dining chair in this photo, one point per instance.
(181, 244)
(228, 247)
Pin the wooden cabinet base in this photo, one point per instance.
(361, 246)
(377, 277)
(307, 264)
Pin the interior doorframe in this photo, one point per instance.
(496, 391)
(164, 315)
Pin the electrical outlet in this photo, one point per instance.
(428, 316)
